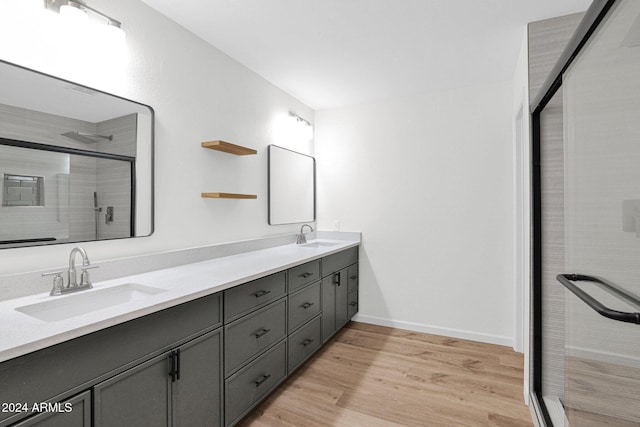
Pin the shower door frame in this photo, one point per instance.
(591, 20)
(86, 153)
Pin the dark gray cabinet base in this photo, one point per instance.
(169, 368)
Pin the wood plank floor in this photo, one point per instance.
(375, 376)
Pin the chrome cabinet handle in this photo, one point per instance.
(306, 305)
(567, 281)
(336, 278)
(305, 275)
(307, 342)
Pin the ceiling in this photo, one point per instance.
(335, 53)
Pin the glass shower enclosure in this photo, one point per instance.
(586, 280)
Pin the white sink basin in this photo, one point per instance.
(67, 306)
(318, 244)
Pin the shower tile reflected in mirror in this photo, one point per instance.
(65, 202)
(45, 215)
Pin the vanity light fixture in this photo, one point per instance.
(301, 126)
(79, 11)
(299, 119)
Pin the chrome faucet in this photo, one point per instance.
(302, 237)
(72, 277)
(71, 273)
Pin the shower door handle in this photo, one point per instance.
(621, 316)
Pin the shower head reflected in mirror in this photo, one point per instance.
(87, 138)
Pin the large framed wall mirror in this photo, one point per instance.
(76, 164)
(292, 186)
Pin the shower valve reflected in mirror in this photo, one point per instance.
(76, 163)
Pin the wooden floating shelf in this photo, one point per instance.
(228, 147)
(228, 196)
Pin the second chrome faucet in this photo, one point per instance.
(302, 237)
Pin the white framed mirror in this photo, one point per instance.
(292, 186)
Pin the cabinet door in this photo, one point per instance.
(334, 303)
(137, 397)
(197, 392)
(328, 307)
(342, 287)
(73, 412)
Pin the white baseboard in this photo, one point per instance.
(448, 332)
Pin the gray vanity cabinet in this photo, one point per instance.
(206, 362)
(183, 384)
(73, 412)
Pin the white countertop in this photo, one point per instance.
(21, 334)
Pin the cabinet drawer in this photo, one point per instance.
(335, 262)
(352, 301)
(304, 343)
(304, 274)
(352, 274)
(243, 299)
(303, 306)
(248, 336)
(244, 389)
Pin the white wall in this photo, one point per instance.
(198, 94)
(428, 181)
(522, 198)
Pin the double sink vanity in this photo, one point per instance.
(199, 343)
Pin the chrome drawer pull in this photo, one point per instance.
(307, 342)
(353, 303)
(261, 293)
(262, 379)
(262, 333)
(305, 275)
(336, 278)
(306, 305)
(353, 277)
